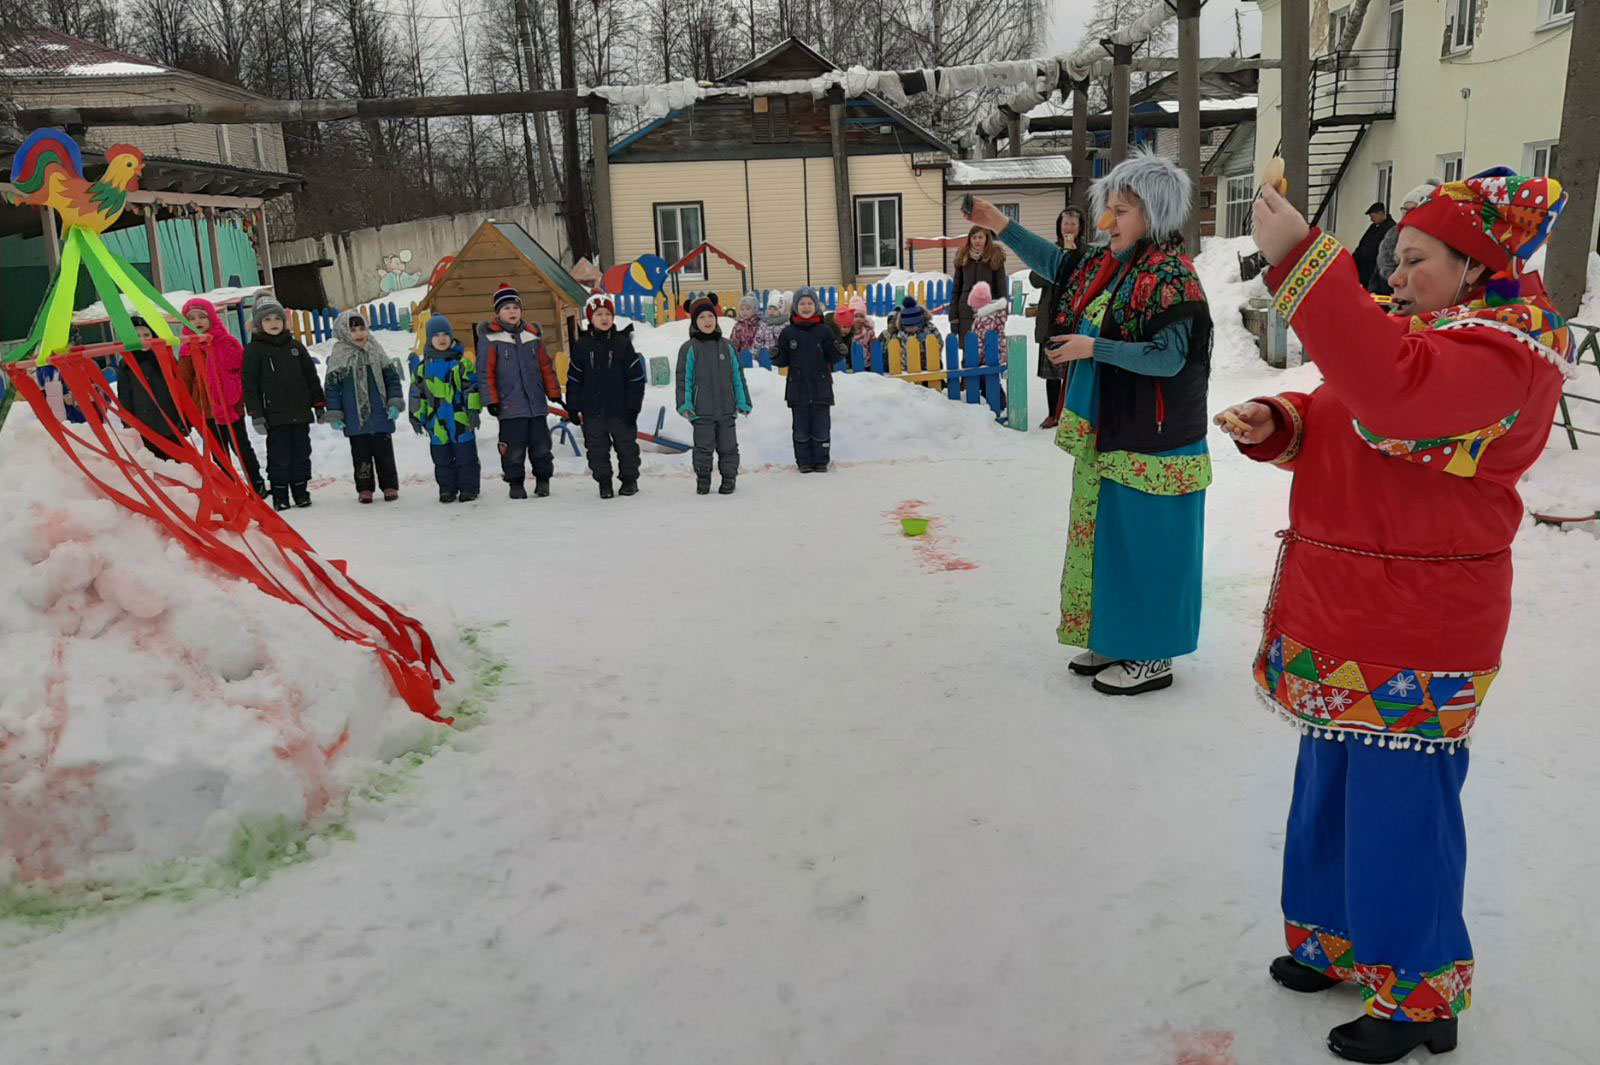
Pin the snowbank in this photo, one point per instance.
(96, 311)
(155, 709)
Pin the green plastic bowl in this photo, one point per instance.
(914, 526)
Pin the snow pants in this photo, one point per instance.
(813, 434)
(234, 437)
(603, 435)
(288, 455)
(525, 440)
(719, 435)
(456, 468)
(372, 454)
(1374, 867)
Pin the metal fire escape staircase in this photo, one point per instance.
(1350, 91)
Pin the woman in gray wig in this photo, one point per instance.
(1132, 321)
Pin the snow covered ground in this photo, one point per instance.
(769, 782)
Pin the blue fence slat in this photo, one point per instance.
(858, 358)
(952, 365)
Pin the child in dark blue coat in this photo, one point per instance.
(605, 391)
(809, 346)
(444, 408)
(364, 399)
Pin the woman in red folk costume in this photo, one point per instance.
(1393, 592)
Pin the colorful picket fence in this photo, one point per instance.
(313, 327)
(968, 372)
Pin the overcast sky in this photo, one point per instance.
(1216, 25)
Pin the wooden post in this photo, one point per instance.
(1579, 166)
(216, 248)
(1295, 45)
(1013, 134)
(1121, 69)
(152, 238)
(1082, 168)
(263, 246)
(1189, 111)
(841, 190)
(600, 139)
(52, 240)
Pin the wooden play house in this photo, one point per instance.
(503, 251)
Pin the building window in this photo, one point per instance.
(679, 230)
(1397, 23)
(1450, 167)
(877, 233)
(1241, 190)
(260, 146)
(1559, 10)
(1385, 183)
(1336, 26)
(1330, 213)
(1012, 211)
(769, 120)
(1539, 158)
(224, 151)
(1463, 29)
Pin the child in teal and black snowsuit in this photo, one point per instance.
(444, 408)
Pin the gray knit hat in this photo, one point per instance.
(806, 292)
(265, 308)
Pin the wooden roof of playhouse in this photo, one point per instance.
(503, 251)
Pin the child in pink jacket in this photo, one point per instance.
(223, 382)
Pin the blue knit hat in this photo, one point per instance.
(912, 316)
(438, 324)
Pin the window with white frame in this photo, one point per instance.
(1397, 24)
(1463, 24)
(680, 228)
(1450, 167)
(1330, 214)
(224, 151)
(260, 146)
(1012, 211)
(877, 233)
(1539, 158)
(1241, 194)
(1337, 21)
(1558, 10)
(1385, 183)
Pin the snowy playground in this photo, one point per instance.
(747, 779)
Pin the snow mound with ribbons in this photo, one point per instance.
(152, 708)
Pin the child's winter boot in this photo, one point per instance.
(447, 497)
(629, 488)
(467, 497)
(365, 497)
(280, 497)
(517, 491)
(541, 487)
(302, 495)
(391, 494)
(606, 491)
(726, 487)
(702, 485)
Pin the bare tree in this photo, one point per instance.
(167, 31)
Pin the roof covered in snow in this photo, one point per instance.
(1026, 170)
(36, 52)
(1231, 103)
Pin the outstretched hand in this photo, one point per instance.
(1280, 226)
(988, 216)
(1062, 350)
(1248, 423)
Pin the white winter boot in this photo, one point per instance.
(1135, 678)
(1090, 664)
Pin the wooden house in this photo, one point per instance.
(803, 190)
(1030, 189)
(504, 252)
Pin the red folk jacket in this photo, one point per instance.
(1394, 589)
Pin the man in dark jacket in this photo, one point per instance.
(282, 395)
(1366, 254)
(518, 380)
(809, 346)
(605, 390)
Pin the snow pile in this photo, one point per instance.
(1218, 267)
(227, 295)
(153, 708)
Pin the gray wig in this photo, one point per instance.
(1161, 186)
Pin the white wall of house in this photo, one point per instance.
(1515, 68)
(777, 216)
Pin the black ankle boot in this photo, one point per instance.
(629, 488)
(726, 487)
(1378, 1042)
(541, 487)
(302, 495)
(280, 499)
(1296, 977)
(702, 486)
(517, 491)
(606, 491)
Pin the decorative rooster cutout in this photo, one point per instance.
(48, 171)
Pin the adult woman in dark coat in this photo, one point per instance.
(1070, 238)
(980, 259)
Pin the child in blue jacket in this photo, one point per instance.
(364, 399)
(444, 408)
